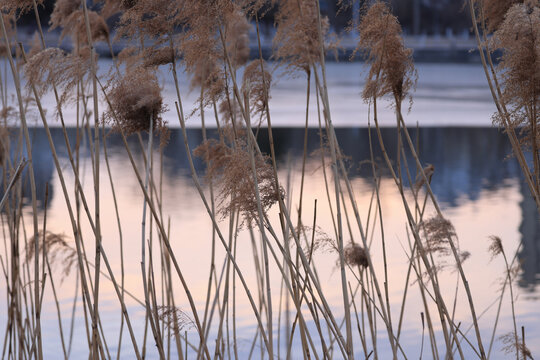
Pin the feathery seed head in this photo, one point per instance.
(512, 345)
(356, 255)
(519, 38)
(54, 66)
(237, 37)
(62, 11)
(297, 37)
(256, 84)
(22, 6)
(74, 25)
(208, 74)
(4, 50)
(391, 67)
(494, 11)
(35, 46)
(153, 57)
(496, 247)
(156, 19)
(230, 111)
(136, 102)
(174, 319)
(57, 249)
(420, 180)
(438, 232)
(231, 167)
(128, 4)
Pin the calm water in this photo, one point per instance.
(479, 187)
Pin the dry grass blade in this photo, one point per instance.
(13, 180)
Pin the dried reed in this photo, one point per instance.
(211, 40)
(231, 168)
(135, 102)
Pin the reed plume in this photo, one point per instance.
(75, 26)
(7, 113)
(356, 255)
(112, 7)
(321, 240)
(437, 232)
(494, 11)
(237, 37)
(519, 38)
(19, 7)
(256, 85)
(230, 167)
(511, 342)
(391, 67)
(4, 136)
(9, 22)
(420, 180)
(35, 46)
(62, 11)
(496, 247)
(127, 4)
(154, 19)
(54, 66)
(297, 42)
(174, 319)
(136, 102)
(129, 56)
(207, 73)
(149, 57)
(230, 112)
(56, 248)
(153, 57)
(201, 49)
(4, 49)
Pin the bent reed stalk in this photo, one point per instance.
(243, 190)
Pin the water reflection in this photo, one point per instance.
(529, 229)
(468, 161)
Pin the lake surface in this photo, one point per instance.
(446, 95)
(479, 187)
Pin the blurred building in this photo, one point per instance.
(428, 17)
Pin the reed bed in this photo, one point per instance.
(248, 200)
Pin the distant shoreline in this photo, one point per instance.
(427, 49)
